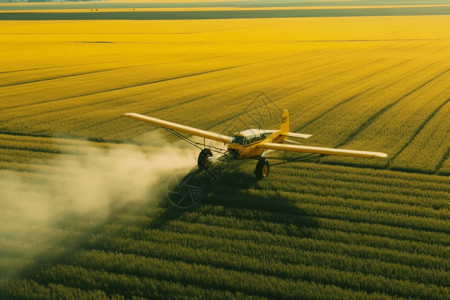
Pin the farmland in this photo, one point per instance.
(82, 187)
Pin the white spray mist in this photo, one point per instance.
(89, 183)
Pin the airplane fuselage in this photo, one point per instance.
(245, 143)
(251, 143)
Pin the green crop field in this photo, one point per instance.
(82, 188)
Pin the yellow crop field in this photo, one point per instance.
(88, 182)
(74, 76)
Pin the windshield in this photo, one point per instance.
(237, 139)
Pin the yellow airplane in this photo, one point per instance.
(251, 143)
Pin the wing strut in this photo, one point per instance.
(195, 144)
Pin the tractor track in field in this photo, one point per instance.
(375, 116)
(65, 137)
(39, 150)
(65, 109)
(418, 130)
(182, 103)
(310, 84)
(58, 77)
(335, 74)
(144, 83)
(54, 67)
(354, 96)
(121, 88)
(442, 161)
(357, 95)
(79, 73)
(211, 94)
(67, 76)
(31, 69)
(147, 112)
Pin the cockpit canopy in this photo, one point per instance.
(249, 137)
(237, 139)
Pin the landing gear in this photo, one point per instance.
(262, 169)
(204, 159)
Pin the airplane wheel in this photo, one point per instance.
(203, 159)
(262, 169)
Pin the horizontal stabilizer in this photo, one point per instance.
(292, 134)
(299, 135)
(291, 142)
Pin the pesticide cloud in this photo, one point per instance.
(89, 184)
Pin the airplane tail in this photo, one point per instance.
(284, 128)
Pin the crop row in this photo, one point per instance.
(283, 220)
(292, 224)
(332, 269)
(382, 178)
(289, 224)
(432, 203)
(362, 245)
(315, 206)
(319, 233)
(307, 251)
(191, 275)
(156, 289)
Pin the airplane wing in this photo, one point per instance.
(320, 150)
(181, 128)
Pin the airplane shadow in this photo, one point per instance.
(238, 190)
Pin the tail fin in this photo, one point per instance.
(284, 123)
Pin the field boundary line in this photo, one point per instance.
(222, 14)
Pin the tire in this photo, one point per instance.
(203, 159)
(262, 169)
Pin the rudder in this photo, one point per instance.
(284, 128)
